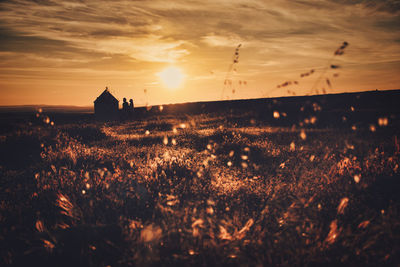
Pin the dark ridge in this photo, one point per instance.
(369, 106)
(362, 100)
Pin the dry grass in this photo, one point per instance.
(229, 190)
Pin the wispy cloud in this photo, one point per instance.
(122, 36)
(220, 40)
(391, 6)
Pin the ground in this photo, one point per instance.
(231, 187)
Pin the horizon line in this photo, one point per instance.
(205, 101)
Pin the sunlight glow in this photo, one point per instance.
(172, 77)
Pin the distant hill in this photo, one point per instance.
(331, 110)
(388, 100)
(46, 109)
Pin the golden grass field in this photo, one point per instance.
(224, 188)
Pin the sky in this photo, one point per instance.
(58, 52)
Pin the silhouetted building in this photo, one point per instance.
(106, 107)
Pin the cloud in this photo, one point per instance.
(391, 6)
(277, 36)
(106, 28)
(219, 40)
(151, 48)
(215, 23)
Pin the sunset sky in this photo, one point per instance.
(66, 52)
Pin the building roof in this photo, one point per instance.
(106, 96)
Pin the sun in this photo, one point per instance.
(172, 77)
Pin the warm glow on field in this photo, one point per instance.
(172, 77)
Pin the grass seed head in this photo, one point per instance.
(342, 205)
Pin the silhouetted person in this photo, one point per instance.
(131, 105)
(125, 106)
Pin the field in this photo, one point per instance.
(295, 182)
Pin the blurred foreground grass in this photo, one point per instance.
(206, 190)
